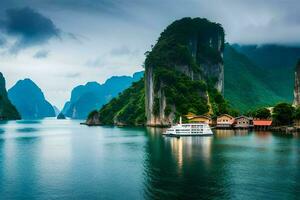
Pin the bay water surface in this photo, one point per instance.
(61, 159)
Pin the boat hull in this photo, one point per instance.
(182, 135)
(193, 129)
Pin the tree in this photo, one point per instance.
(262, 113)
(283, 114)
(297, 113)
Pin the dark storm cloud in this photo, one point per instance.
(41, 54)
(244, 21)
(105, 6)
(29, 27)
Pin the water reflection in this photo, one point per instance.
(179, 168)
(223, 133)
(264, 135)
(63, 160)
(27, 130)
(18, 158)
(29, 121)
(186, 148)
(3, 122)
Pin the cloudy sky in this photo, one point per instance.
(60, 44)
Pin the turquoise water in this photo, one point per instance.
(54, 159)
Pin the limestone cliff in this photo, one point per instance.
(297, 85)
(30, 101)
(192, 47)
(7, 110)
(183, 73)
(93, 119)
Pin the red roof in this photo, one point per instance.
(262, 122)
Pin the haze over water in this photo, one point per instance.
(52, 159)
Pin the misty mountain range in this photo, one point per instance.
(91, 96)
(255, 76)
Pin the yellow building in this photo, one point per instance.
(190, 115)
(297, 123)
(201, 119)
(225, 121)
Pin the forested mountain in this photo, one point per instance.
(183, 73)
(7, 110)
(259, 75)
(279, 63)
(246, 86)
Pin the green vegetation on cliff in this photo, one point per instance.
(260, 113)
(126, 109)
(184, 67)
(187, 42)
(246, 85)
(7, 110)
(181, 91)
(189, 95)
(283, 114)
(259, 75)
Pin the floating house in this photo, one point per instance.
(243, 122)
(297, 123)
(201, 119)
(262, 124)
(190, 115)
(225, 121)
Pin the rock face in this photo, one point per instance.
(297, 85)
(56, 110)
(30, 100)
(91, 96)
(7, 110)
(93, 119)
(197, 52)
(183, 73)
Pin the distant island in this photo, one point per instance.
(30, 100)
(85, 98)
(61, 116)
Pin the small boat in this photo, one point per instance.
(192, 129)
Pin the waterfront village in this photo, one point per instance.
(283, 117)
(226, 121)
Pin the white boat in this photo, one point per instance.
(192, 129)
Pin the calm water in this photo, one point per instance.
(53, 159)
